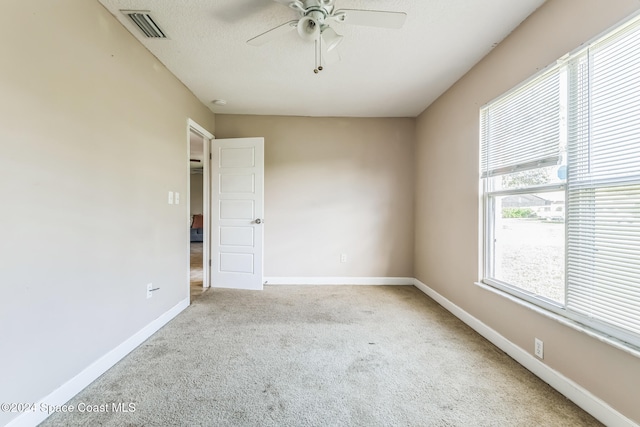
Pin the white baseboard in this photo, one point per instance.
(398, 281)
(72, 387)
(573, 391)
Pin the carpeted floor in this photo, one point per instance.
(320, 356)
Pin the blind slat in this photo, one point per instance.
(603, 200)
(526, 117)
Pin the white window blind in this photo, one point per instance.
(583, 112)
(526, 117)
(603, 187)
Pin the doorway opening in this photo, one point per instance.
(198, 210)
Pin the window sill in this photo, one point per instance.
(614, 342)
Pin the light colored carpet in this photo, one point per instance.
(321, 356)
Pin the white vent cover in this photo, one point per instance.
(147, 25)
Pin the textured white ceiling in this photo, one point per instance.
(383, 73)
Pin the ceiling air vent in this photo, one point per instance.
(147, 25)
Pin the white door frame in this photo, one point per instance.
(192, 126)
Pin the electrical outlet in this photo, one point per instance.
(170, 198)
(176, 198)
(343, 257)
(149, 287)
(538, 348)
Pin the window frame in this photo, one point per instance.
(610, 332)
(488, 244)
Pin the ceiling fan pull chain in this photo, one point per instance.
(318, 55)
(320, 52)
(315, 55)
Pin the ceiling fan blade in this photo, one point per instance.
(371, 18)
(273, 33)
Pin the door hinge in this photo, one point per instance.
(210, 156)
(209, 263)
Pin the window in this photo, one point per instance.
(560, 170)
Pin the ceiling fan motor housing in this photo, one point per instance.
(318, 4)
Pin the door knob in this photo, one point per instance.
(258, 221)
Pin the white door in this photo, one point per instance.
(237, 207)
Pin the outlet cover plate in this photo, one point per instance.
(539, 348)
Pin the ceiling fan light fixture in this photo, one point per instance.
(308, 28)
(331, 39)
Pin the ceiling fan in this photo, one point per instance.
(314, 25)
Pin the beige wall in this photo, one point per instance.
(332, 186)
(196, 193)
(93, 134)
(446, 252)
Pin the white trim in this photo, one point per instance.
(192, 126)
(76, 384)
(573, 391)
(195, 126)
(399, 281)
(206, 215)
